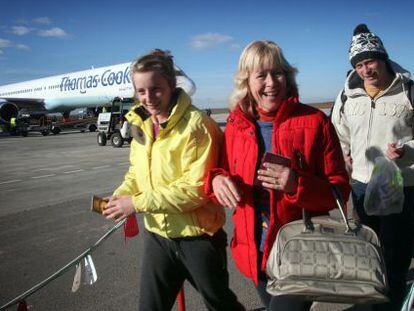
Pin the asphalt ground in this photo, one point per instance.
(45, 221)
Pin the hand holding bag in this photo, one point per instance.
(323, 259)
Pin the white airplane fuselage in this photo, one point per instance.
(88, 88)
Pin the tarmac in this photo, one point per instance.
(46, 184)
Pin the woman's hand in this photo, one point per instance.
(119, 207)
(226, 191)
(278, 177)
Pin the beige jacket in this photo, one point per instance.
(365, 126)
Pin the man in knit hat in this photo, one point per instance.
(373, 116)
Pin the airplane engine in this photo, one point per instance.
(7, 111)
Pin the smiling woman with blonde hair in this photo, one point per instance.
(266, 116)
(259, 54)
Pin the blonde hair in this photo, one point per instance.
(257, 55)
(157, 60)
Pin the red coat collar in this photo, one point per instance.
(285, 110)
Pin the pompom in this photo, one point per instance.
(361, 28)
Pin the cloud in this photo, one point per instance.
(53, 32)
(20, 30)
(209, 40)
(4, 43)
(22, 47)
(43, 20)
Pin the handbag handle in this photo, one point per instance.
(340, 204)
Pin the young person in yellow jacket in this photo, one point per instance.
(174, 145)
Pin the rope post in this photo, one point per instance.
(181, 300)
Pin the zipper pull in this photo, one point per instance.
(372, 104)
(299, 158)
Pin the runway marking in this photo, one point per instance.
(10, 181)
(41, 169)
(43, 176)
(8, 190)
(54, 168)
(74, 171)
(99, 167)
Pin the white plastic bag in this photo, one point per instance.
(385, 190)
(409, 300)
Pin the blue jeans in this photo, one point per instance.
(395, 232)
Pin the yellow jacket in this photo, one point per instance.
(166, 174)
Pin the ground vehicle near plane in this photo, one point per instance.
(112, 126)
(44, 123)
(31, 122)
(82, 119)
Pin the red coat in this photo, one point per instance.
(307, 137)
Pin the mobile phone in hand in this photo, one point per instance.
(98, 204)
(269, 157)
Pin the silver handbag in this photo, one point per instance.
(323, 259)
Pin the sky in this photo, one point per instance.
(206, 37)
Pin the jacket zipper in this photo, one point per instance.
(368, 139)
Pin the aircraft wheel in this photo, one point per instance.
(55, 130)
(116, 140)
(92, 128)
(101, 139)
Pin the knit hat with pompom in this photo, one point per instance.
(365, 45)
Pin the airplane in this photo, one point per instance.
(92, 88)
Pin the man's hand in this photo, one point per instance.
(394, 151)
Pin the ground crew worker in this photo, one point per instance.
(13, 125)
